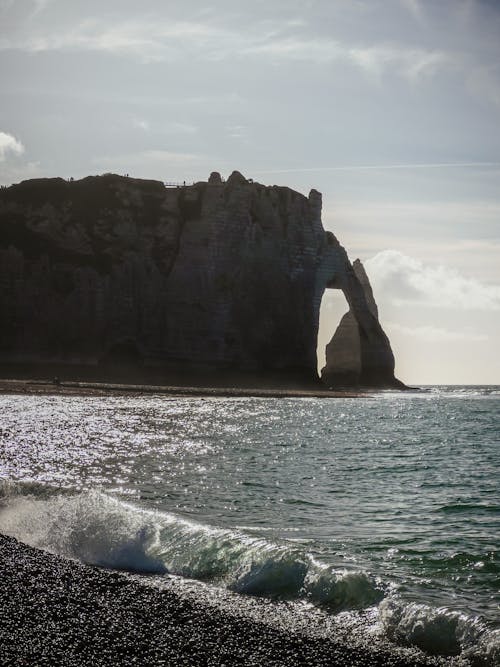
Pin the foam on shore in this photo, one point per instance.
(100, 530)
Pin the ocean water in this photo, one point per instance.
(385, 506)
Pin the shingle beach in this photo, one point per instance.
(55, 611)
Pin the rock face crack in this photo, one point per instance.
(211, 277)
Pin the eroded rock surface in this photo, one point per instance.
(212, 276)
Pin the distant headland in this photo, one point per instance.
(212, 283)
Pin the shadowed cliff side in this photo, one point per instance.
(113, 275)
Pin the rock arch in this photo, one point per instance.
(226, 275)
(359, 353)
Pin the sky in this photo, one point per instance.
(391, 108)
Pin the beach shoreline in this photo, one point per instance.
(55, 611)
(67, 387)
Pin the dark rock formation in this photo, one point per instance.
(359, 354)
(215, 276)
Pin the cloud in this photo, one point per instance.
(409, 63)
(433, 334)
(404, 280)
(150, 41)
(210, 36)
(9, 144)
(374, 60)
(464, 233)
(283, 41)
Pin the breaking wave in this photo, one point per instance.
(439, 631)
(101, 530)
(90, 527)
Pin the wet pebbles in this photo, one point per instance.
(58, 612)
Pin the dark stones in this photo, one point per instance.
(57, 612)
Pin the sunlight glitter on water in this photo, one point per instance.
(400, 487)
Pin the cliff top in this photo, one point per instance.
(37, 191)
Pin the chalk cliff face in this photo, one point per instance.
(215, 275)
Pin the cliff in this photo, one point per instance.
(212, 277)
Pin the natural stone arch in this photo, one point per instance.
(359, 353)
(220, 275)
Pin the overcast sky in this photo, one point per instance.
(391, 108)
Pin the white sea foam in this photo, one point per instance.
(487, 650)
(90, 527)
(442, 391)
(341, 590)
(439, 631)
(99, 529)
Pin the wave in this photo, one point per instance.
(99, 529)
(461, 508)
(439, 631)
(446, 391)
(487, 562)
(90, 527)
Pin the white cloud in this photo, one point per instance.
(9, 144)
(404, 280)
(409, 63)
(151, 41)
(155, 41)
(464, 233)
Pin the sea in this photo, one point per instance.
(381, 510)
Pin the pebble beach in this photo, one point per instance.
(54, 611)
